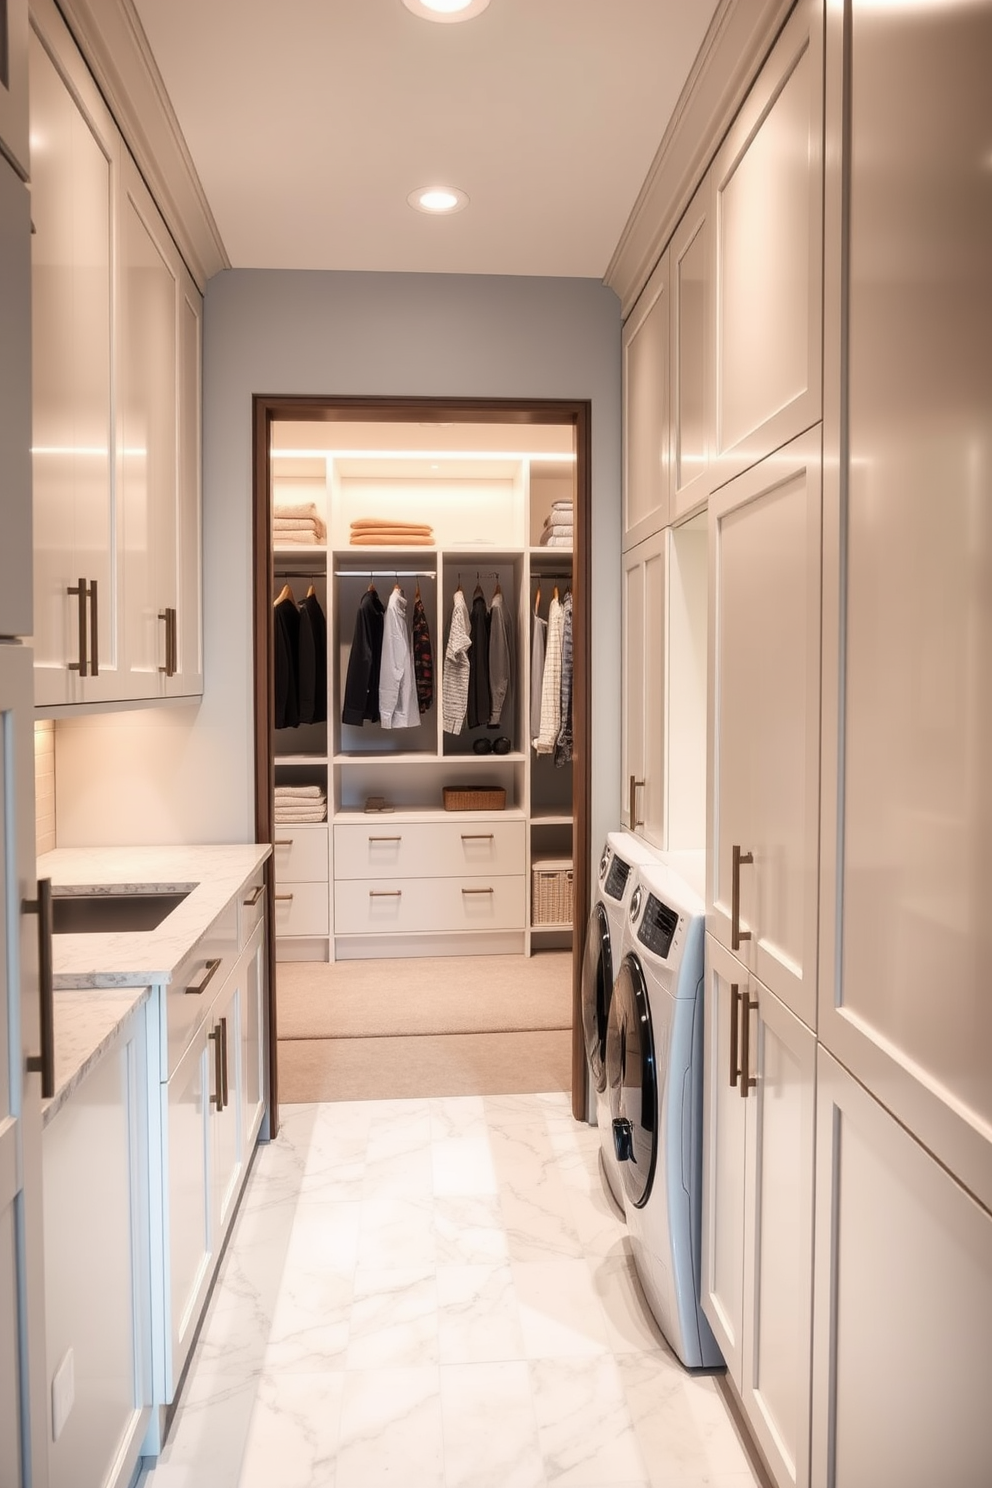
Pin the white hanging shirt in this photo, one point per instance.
(397, 689)
(551, 688)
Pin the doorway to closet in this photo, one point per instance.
(475, 866)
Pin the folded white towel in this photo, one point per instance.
(294, 524)
(297, 792)
(288, 815)
(562, 506)
(298, 509)
(558, 542)
(297, 539)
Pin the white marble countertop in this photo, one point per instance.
(135, 958)
(87, 1021)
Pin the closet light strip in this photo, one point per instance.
(541, 457)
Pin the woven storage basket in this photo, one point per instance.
(479, 798)
(551, 892)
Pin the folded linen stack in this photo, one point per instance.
(558, 526)
(298, 525)
(385, 532)
(300, 803)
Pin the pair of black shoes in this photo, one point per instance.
(501, 745)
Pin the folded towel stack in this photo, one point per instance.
(385, 532)
(559, 530)
(298, 525)
(300, 803)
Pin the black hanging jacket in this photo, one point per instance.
(361, 688)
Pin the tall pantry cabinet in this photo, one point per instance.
(116, 399)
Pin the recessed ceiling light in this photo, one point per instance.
(438, 200)
(446, 10)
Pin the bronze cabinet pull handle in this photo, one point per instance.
(385, 893)
(174, 630)
(478, 836)
(479, 891)
(284, 898)
(635, 786)
(748, 1081)
(44, 1063)
(197, 988)
(218, 1099)
(255, 896)
(736, 933)
(735, 1013)
(80, 591)
(164, 615)
(283, 842)
(223, 1041)
(385, 839)
(94, 633)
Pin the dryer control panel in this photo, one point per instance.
(658, 925)
(616, 879)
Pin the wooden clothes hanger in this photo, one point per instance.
(478, 586)
(285, 593)
(537, 599)
(311, 592)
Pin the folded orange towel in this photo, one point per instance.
(386, 539)
(377, 524)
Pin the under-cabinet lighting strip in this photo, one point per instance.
(539, 456)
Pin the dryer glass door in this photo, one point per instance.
(597, 989)
(632, 1078)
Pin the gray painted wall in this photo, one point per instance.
(167, 775)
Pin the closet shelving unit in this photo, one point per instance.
(419, 879)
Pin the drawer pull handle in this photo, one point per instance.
(44, 1063)
(478, 891)
(196, 988)
(741, 859)
(748, 1081)
(255, 896)
(478, 836)
(385, 839)
(385, 893)
(735, 1018)
(284, 898)
(283, 842)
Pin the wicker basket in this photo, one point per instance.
(551, 892)
(478, 798)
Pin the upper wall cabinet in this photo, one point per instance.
(15, 403)
(907, 876)
(691, 260)
(764, 671)
(116, 407)
(642, 731)
(14, 83)
(646, 411)
(769, 254)
(75, 168)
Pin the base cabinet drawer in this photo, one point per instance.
(300, 854)
(406, 906)
(302, 909)
(382, 849)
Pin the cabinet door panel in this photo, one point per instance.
(15, 404)
(189, 618)
(72, 205)
(764, 715)
(148, 432)
(227, 1154)
(778, 1255)
(692, 356)
(187, 1118)
(253, 1040)
(724, 1113)
(908, 702)
(903, 1322)
(642, 732)
(646, 344)
(768, 182)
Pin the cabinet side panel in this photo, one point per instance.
(917, 814)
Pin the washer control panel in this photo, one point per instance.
(658, 926)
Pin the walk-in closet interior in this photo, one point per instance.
(421, 721)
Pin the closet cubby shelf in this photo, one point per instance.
(384, 757)
(299, 759)
(550, 820)
(407, 814)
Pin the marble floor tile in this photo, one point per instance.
(468, 1230)
(394, 1319)
(326, 1237)
(478, 1316)
(560, 1313)
(206, 1444)
(294, 1435)
(682, 1425)
(311, 1322)
(458, 1116)
(397, 1232)
(462, 1166)
(585, 1428)
(391, 1431)
(490, 1429)
(630, 1324)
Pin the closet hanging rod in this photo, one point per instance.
(540, 578)
(385, 573)
(298, 573)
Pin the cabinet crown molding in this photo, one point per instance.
(112, 40)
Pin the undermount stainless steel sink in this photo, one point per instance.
(103, 914)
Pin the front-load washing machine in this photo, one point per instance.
(654, 1076)
(622, 854)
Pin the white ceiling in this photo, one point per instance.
(309, 122)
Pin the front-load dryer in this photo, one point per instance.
(654, 1075)
(622, 854)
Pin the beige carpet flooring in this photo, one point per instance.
(469, 1025)
(443, 994)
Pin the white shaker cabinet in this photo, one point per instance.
(642, 729)
(768, 253)
(764, 680)
(692, 362)
(902, 1339)
(646, 409)
(757, 1220)
(14, 84)
(77, 573)
(15, 403)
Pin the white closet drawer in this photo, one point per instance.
(428, 849)
(300, 854)
(409, 905)
(302, 909)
